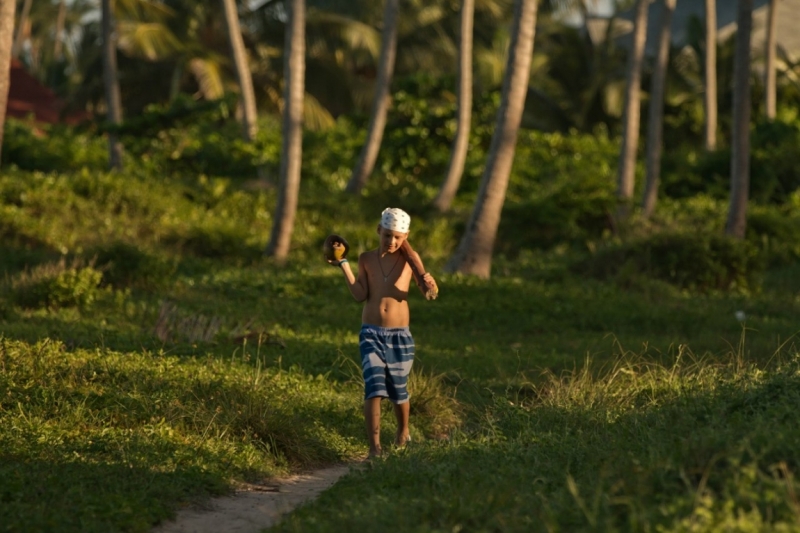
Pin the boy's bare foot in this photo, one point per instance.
(401, 439)
(374, 452)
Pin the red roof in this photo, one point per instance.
(27, 96)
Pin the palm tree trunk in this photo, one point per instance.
(7, 9)
(59, 42)
(21, 29)
(461, 142)
(380, 106)
(111, 81)
(294, 67)
(474, 253)
(58, 45)
(710, 134)
(249, 117)
(769, 67)
(655, 123)
(630, 133)
(740, 142)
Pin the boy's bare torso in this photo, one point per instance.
(388, 280)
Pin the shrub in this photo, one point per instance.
(57, 285)
(126, 265)
(698, 261)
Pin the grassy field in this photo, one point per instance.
(150, 356)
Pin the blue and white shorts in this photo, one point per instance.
(386, 358)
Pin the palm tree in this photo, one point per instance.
(7, 8)
(249, 117)
(474, 253)
(294, 66)
(740, 134)
(458, 154)
(656, 119)
(22, 28)
(111, 82)
(380, 105)
(769, 66)
(630, 123)
(710, 100)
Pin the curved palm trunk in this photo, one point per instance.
(7, 9)
(294, 68)
(656, 118)
(710, 100)
(460, 144)
(630, 133)
(769, 67)
(249, 117)
(740, 142)
(111, 81)
(22, 28)
(474, 253)
(60, 19)
(380, 106)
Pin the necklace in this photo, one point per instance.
(386, 276)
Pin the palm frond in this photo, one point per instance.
(208, 74)
(150, 40)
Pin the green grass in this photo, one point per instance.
(542, 399)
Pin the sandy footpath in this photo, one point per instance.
(253, 508)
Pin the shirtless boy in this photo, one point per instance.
(387, 348)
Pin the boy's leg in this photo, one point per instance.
(372, 417)
(401, 411)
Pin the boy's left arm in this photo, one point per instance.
(427, 285)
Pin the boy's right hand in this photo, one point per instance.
(335, 249)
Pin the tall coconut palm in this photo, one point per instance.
(22, 28)
(7, 8)
(474, 253)
(630, 121)
(710, 100)
(458, 154)
(294, 66)
(249, 117)
(58, 36)
(381, 102)
(111, 82)
(740, 134)
(769, 64)
(655, 125)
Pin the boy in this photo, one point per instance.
(387, 348)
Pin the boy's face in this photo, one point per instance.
(390, 240)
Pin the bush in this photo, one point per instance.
(125, 265)
(689, 260)
(57, 285)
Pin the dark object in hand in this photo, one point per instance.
(335, 248)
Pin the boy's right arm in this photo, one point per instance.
(358, 286)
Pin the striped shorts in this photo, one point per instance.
(386, 358)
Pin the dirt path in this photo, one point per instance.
(254, 507)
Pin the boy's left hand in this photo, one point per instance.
(431, 288)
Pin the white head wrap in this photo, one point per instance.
(395, 219)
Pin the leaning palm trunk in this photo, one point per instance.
(113, 100)
(380, 106)
(58, 40)
(249, 117)
(460, 144)
(769, 66)
(294, 68)
(7, 8)
(474, 253)
(740, 142)
(710, 100)
(22, 29)
(656, 118)
(630, 123)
